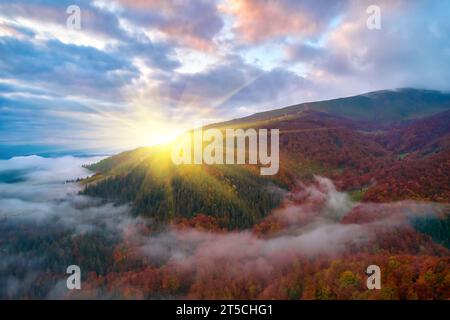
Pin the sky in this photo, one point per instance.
(139, 72)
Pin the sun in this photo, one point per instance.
(160, 137)
(136, 133)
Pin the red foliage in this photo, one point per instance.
(403, 277)
(200, 222)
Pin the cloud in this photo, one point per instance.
(34, 190)
(387, 58)
(48, 18)
(241, 249)
(190, 23)
(231, 85)
(258, 21)
(42, 118)
(65, 69)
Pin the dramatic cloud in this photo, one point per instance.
(386, 58)
(258, 21)
(191, 23)
(65, 69)
(233, 85)
(142, 68)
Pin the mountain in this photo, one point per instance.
(381, 146)
(384, 106)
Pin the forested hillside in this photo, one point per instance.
(373, 160)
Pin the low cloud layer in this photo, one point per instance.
(40, 190)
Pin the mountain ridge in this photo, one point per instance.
(361, 156)
(326, 105)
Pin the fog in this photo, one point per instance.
(40, 194)
(36, 202)
(311, 220)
